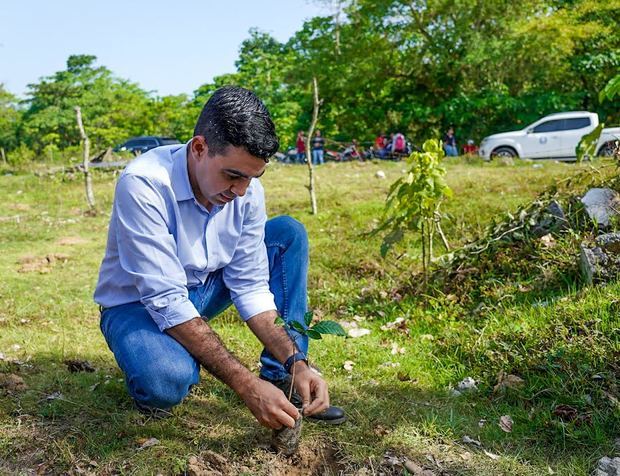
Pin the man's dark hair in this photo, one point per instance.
(236, 116)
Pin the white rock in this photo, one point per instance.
(380, 174)
(348, 365)
(358, 332)
(601, 204)
(466, 385)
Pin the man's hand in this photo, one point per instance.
(269, 405)
(310, 386)
(312, 389)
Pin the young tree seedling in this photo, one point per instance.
(286, 440)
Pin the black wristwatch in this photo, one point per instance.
(299, 356)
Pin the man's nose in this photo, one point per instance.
(240, 188)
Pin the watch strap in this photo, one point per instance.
(294, 358)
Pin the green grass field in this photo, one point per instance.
(530, 316)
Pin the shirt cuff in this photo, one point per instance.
(178, 312)
(250, 304)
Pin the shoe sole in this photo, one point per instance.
(335, 421)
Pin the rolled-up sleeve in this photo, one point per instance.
(247, 275)
(147, 250)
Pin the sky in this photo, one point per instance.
(168, 47)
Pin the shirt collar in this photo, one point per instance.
(180, 178)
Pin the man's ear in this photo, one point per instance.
(199, 146)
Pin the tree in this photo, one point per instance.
(112, 108)
(10, 117)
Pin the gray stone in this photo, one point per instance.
(592, 263)
(609, 242)
(553, 219)
(602, 205)
(608, 467)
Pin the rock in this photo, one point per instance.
(601, 205)
(380, 174)
(597, 266)
(358, 332)
(553, 219)
(609, 242)
(591, 262)
(506, 161)
(468, 384)
(608, 467)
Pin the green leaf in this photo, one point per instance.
(279, 321)
(308, 317)
(329, 327)
(298, 327)
(611, 90)
(587, 144)
(313, 334)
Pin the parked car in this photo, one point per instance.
(139, 145)
(555, 137)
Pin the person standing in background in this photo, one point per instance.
(301, 147)
(449, 143)
(318, 144)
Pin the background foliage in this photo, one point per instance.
(382, 65)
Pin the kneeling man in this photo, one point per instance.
(189, 236)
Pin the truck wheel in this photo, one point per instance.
(607, 149)
(504, 152)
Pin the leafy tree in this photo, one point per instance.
(112, 108)
(10, 117)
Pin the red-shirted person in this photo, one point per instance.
(301, 147)
(470, 148)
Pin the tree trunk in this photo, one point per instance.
(88, 182)
(337, 25)
(315, 118)
(3, 154)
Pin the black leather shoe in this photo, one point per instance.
(331, 416)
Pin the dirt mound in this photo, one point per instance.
(71, 241)
(309, 460)
(42, 265)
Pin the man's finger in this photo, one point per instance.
(305, 394)
(291, 410)
(321, 399)
(284, 418)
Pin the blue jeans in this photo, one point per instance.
(317, 156)
(301, 157)
(159, 371)
(451, 150)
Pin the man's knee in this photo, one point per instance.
(286, 231)
(163, 384)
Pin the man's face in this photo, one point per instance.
(220, 178)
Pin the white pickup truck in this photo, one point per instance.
(553, 137)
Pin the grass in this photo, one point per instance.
(528, 314)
